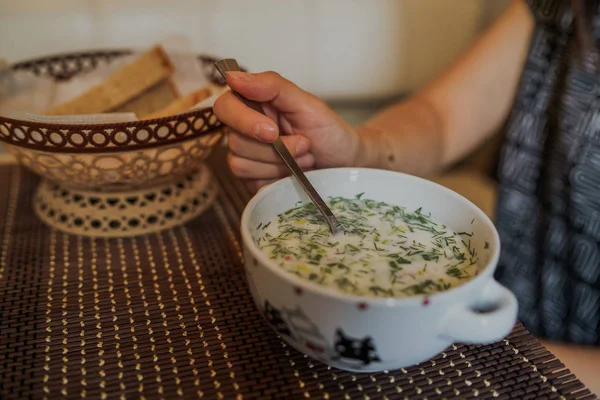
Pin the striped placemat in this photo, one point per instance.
(169, 315)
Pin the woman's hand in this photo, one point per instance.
(313, 133)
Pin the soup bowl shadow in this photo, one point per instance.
(371, 334)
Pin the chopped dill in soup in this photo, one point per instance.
(385, 251)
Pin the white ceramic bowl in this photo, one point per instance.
(368, 334)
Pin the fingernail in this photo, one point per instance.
(265, 131)
(241, 76)
(304, 162)
(302, 146)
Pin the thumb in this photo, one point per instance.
(271, 87)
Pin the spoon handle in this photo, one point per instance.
(223, 66)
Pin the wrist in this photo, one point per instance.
(369, 149)
(406, 137)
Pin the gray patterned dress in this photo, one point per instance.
(548, 211)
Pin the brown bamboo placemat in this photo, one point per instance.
(169, 316)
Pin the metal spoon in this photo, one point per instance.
(223, 66)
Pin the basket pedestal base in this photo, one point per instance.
(126, 213)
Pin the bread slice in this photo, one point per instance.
(126, 83)
(181, 105)
(157, 97)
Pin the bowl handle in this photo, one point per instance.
(489, 319)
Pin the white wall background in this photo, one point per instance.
(339, 49)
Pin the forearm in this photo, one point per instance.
(459, 109)
(405, 137)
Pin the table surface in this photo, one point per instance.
(169, 315)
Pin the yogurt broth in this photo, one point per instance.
(386, 250)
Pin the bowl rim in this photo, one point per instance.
(247, 239)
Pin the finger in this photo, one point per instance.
(233, 113)
(254, 185)
(250, 169)
(250, 149)
(272, 87)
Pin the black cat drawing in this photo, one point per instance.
(355, 349)
(274, 317)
